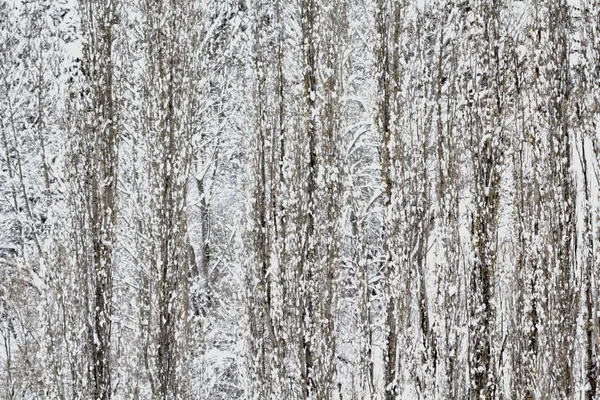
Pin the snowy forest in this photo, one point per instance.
(299, 199)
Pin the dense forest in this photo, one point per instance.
(299, 199)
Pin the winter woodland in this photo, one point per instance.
(299, 199)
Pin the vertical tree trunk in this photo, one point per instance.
(562, 297)
(102, 139)
(590, 373)
(591, 52)
(387, 16)
(334, 21)
(308, 14)
(487, 141)
(265, 357)
(168, 108)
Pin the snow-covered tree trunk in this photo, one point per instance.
(388, 25)
(561, 254)
(168, 110)
(100, 146)
(447, 148)
(486, 97)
